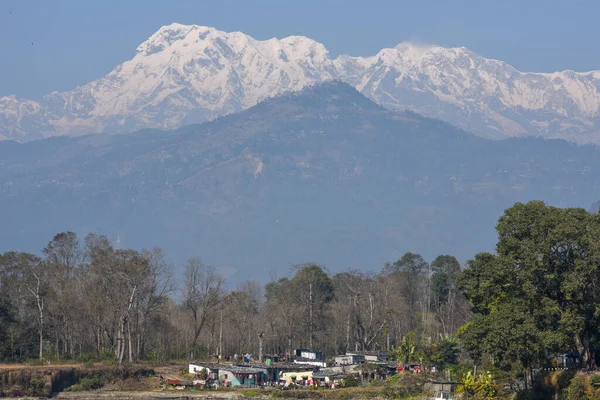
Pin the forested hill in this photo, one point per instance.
(322, 175)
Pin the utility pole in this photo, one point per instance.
(260, 347)
(221, 338)
(310, 296)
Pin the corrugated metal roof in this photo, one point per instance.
(261, 366)
(243, 370)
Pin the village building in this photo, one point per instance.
(231, 374)
(236, 376)
(308, 368)
(251, 374)
(196, 368)
(349, 359)
(285, 371)
(370, 355)
(309, 357)
(297, 376)
(327, 376)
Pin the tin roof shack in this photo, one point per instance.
(309, 354)
(349, 359)
(329, 375)
(309, 357)
(275, 371)
(196, 368)
(369, 355)
(236, 376)
(379, 370)
(231, 374)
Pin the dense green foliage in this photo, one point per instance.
(86, 384)
(576, 390)
(537, 297)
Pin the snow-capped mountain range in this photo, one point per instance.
(188, 73)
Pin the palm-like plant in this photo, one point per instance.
(477, 387)
(407, 347)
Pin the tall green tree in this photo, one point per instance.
(411, 274)
(445, 273)
(537, 296)
(445, 300)
(314, 291)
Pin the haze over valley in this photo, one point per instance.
(323, 174)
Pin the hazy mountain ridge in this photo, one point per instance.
(186, 74)
(323, 174)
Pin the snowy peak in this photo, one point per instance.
(177, 38)
(165, 37)
(194, 39)
(182, 74)
(418, 53)
(189, 73)
(485, 96)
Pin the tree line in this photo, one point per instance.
(538, 296)
(88, 299)
(517, 309)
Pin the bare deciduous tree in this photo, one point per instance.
(202, 294)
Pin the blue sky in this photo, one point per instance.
(78, 41)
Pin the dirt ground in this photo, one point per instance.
(132, 388)
(51, 366)
(147, 395)
(162, 369)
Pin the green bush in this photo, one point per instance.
(350, 381)
(595, 380)
(86, 384)
(404, 385)
(36, 386)
(395, 379)
(576, 390)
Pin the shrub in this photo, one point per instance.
(36, 385)
(576, 390)
(350, 381)
(86, 384)
(404, 385)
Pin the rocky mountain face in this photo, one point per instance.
(323, 175)
(187, 74)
